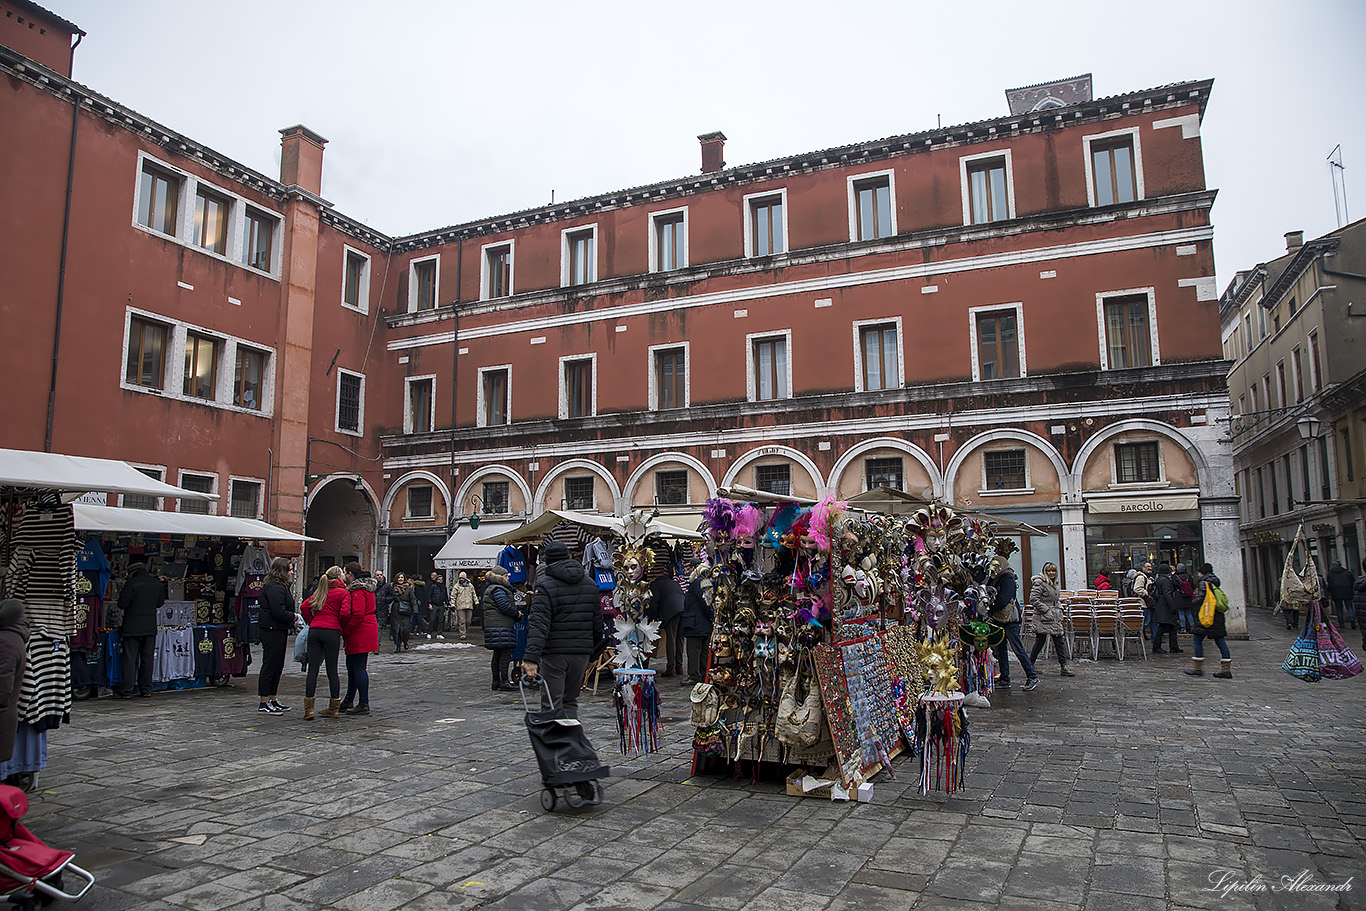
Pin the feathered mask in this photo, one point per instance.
(784, 520)
(720, 516)
(824, 515)
(749, 521)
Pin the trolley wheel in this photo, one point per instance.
(549, 799)
(583, 794)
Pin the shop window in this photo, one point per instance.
(1128, 335)
(578, 256)
(158, 200)
(199, 483)
(671, 487)
(765, 224)
(769, 368)
(1005, 469)
(496, 501)
(671, 378)
(1298, 362)
(497, 266)
(1113, 175)
(493, 397)
(201, 366)
(1137, 463)
(211, 221)
(1315, 368)
(878, 348)
(422, 275)
(356, 281)
(143, 501)
(350, 402)
(668, 240)
(871, 215)
(577, 399)
(248, 378)
(578, 493)
(884, 473)
(421, 416)
(244, 499)
(775, 479)
(987, 198)
(146, 361)
(419, 501)
(999, 347)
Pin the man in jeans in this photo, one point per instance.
(1006, 614)
(1143, 588)
(436, 593)
(564, 628)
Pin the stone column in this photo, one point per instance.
(1219, 529)
(1074, 546)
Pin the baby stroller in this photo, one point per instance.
(30, 871)
(569, 766)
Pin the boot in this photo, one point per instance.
(309, 702)
(361, 709)
(332, 710)
(1225, 668)
(1197, 668)
(1067, 671)
(346, 707)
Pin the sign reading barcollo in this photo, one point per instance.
(1149, 504)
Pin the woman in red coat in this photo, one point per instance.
(360, 633)
(325, 612)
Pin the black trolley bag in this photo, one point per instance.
(570, 768)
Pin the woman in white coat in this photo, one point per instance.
(1050, 620)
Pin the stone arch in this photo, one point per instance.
(786, 452)
(1163, 429)
(955, 465)
(343, 518)
(501, 471)
(355, 479)
(570, 465)
(411, 476)
(628, 490)
(914, 451)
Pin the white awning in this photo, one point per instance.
(464, 550)
(539, 527)
(157, 522)
(53, 471)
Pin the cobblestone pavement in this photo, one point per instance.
(1125, 787)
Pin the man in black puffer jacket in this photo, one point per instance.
(564, 629)
(139, 600)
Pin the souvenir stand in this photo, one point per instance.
(39, 549)
(838, 639)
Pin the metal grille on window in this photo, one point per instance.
(420, 502)
(199, 484)
(245, 500)
(884, 473)
(774, 479)
(1005, 470)
(348, 404)
(141, 501)
(671, 487)
(1137, 462)
(578, 493)
(496, 498)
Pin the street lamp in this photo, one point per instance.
(1309, 427)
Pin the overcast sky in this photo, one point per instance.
(444, 112)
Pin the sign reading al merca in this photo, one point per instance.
(1145, 503)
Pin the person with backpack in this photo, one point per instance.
(1340, 581)
(1166, 610)
(1209, 583)
(1005, 613)
(1186, 603)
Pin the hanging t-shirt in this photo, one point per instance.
(206, 664)
(176, 613)
(511, 559)
(113, 651)
(87, 622)
(88, 667)
(93, 560)
(255, 562)
(248, 620)
(45, 698)
(232, 655)
(174, 659)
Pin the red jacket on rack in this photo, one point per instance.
(334, 610)
(360, 629)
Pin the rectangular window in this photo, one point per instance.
(578, 388)
(1347, 466)
(1005, 469)
(1137, 463)
(1112, 169)
(1266, 390)
(580, 257)
(1261, 494)
(1280, 383)
(770, 369)
(1315, 365)
(1275, 490)
(1127, 334)
(873, 208)
(1298, 363)
(671, 378)
(987, 199)
(998, 345)
(143, 501)
(424, 285)
(1261, 321)
(495, 387)
(880, 368)
(158, 200)
(1289, 485)
(354, 281)
(350, 395)
(248, 378)
(1256, 399)
(1290, 304)
(420, 404)
(495, 499)
(1242, 404)
(671, 487)
(244, 501)
(497, 271)
(199, 483)
(211, 221)
(670, 235)
(1325, 479)
(774, 479)
(767, 234)
(201, 366)
(578, 493)
(146, 362)
(419, 501)
(884, 473)
(1247, 334)
(1307, 487)
(259, 250)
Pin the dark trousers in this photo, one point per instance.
(358, 678)
(273, 642)
(1345, 610)
(673, 644)
(1013, 642)
(1169, 630)
(1059, 646)
(438, 625)
(323, 647)
(419, 621)
(563, 676)
(697, 656)
(137, 662)
(400, 629)
(499, 665)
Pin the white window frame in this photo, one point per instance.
(592, 358)
(483, 494)
(1133, 133)
(858, 327)
(174, 371)
(360, 408)
(184, 228)
(161, 476)
(213, 488)
(1102, 297)
(412, 283)
(485, 291)
(963, 164)
(654, 239)
(653, 378)
(751, 388)
(764, 463)
(260, 500)
(565, 234)
(1161, 464)
(481, 418)
(853, 201)
(1018, 307)
(1028, 487)
(363, 291)
(748, 201)
(408, 422)
(564, 486)
(408, 501)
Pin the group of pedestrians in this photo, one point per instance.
(411, 607)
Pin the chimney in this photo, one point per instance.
(713, 151)
(301, 158)
(1293, 241)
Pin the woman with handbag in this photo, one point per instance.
(1050, 620)
(500, 617)
(402, 610)
(277, 621)
(360, 636)
(325, 611)
(1208, 584)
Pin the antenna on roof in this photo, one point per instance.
(1336, 169)
(552, 197)
(939, 121)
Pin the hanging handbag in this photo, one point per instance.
(799, 717)
(706, 705)
(301, 645)
(1207, 607)
(1336, 661)
(1303, 661)
(1298, 589)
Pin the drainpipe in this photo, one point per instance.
(61, 274)
(455, 373)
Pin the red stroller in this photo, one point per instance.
(30, 871)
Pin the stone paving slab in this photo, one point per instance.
(1126, 787)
